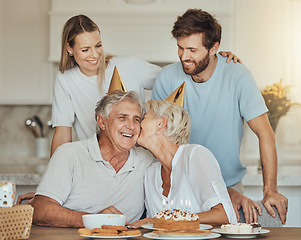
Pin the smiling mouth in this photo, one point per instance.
(93, 61)
(127, 135)
(187, 63)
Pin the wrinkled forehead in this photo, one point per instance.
(126, 107)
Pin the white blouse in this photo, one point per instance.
(195, 178)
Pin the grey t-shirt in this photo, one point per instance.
(79, 179)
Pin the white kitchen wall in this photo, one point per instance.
(142, 30)
(25, 73)
(263, 39)
(261, 35)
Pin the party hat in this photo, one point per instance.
(177, 96)
(116, 82)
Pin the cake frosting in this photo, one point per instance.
(176, 219)
(177, 215)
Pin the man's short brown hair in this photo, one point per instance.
(198, 21)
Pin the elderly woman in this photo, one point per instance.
(184, 171)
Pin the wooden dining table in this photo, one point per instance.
(51, 233)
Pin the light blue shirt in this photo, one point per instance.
(218, 108)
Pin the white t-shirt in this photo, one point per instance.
(79, 179)
(76, 95)
(195, 177)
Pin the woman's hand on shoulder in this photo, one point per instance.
(231, 56)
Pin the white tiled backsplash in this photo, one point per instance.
(16, 140)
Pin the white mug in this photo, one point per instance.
(7, 193)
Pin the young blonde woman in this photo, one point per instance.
(84, 78)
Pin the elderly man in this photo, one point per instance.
(218, 97)
(100, 175)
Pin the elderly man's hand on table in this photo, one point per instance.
(110, 210)
(249, 206)
(279, 201)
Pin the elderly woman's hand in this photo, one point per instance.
(141, 222)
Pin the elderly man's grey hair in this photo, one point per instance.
(178, 120)
(104, 106)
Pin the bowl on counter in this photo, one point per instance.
(97, 220)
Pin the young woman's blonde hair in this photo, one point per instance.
(178, 120)
(73, 27)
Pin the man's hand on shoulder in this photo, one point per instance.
(249, 206)
(279, 201)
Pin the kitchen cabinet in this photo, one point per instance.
(25, 73)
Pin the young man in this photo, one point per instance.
(218, 97)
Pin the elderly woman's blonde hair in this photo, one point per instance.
(178, 120)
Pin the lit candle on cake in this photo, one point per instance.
(163, 203)
(190, 206)
(171, 205)
(186, 204)
(181, 205)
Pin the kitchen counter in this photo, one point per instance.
(30, 174)
(288, 175)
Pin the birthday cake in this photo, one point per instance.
(241, 228)
(176, 219)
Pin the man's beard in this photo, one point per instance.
(199, 66)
